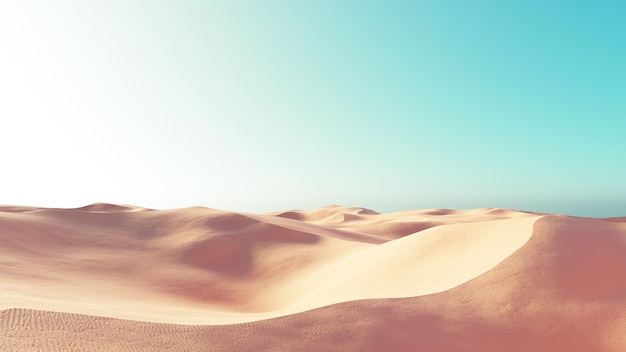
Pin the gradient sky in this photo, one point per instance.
(271, 105)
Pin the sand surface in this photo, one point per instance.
(110, 277)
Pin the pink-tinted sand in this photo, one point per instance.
(122, 278)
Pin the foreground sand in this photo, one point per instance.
(121, 278)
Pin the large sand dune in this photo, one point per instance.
(110, 277)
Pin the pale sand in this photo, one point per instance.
(123, 278)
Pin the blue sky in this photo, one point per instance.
(268, 105)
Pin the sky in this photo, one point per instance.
(271, 105)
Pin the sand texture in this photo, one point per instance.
(110, 277)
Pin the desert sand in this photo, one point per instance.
(108, 277)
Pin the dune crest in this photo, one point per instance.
(397, 280)
(109, 208)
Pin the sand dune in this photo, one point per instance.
(108, 277)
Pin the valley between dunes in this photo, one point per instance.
(111, 277)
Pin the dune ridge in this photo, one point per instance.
(342, 277)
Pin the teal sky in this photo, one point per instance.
(270, 105)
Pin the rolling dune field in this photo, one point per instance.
(108, 277)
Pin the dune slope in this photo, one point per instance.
(121, 278)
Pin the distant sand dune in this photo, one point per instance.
(109, 208)
(121, 278)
